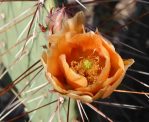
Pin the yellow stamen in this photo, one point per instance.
(89, 67)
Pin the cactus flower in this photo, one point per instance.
(83, 65)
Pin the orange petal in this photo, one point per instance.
(56, 83)
(116, 60)
(116, 83)
(86, 41)
(112, 79)
(73, 79)
(106, 69)
(100, 93)
(112, 87)
(52, 63)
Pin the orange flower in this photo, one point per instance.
(83, 65)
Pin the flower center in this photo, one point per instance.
(87, 64)
(89, 67)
